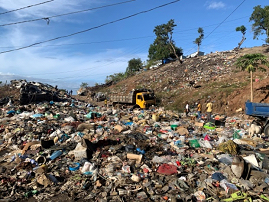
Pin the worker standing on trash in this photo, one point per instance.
(199, 109)
(187, 109)
(105, 102)
(209, 108)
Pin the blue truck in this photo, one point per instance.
(260, 112)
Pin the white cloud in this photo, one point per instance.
(63, 65)
(65, 69)
(215, 5)
(43, 10)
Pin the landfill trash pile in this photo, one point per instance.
(98, 153)
(35, 92)
(213, 75)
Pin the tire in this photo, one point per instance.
(136, 106)
(266, 130)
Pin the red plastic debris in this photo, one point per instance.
(167, 169)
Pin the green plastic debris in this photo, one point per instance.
(239, 195)
(236, 135)
(210, 126)
(194, 143)
(56, 116)
(187, 161)
(264, 197)
(32, 192)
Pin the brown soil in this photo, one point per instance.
(221, 81)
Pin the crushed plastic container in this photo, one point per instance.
(194, 143)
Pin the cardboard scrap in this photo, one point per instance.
(119, 128)
(199, 124)
(43, 180)
(182, 131)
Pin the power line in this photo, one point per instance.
(220, 23)
(96, 42)
(111, 22)
(225, 19)
(26, 7)
(127, 39)
(92, 68)
(48, 18)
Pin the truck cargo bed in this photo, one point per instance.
(257, 109)
(121, 99)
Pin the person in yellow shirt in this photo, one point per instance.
(105, 102)
(209, 108)
(199, 109)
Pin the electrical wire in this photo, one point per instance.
(64, 14)
(131, 52)
(225, 19)
(220, 23)
(134, 38)
(104, 24)
(97, 42)
(26, 7)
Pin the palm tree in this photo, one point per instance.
(251, 63)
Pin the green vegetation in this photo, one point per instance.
(243, 30)
(198, 40)
(260, 17)
(251, 63)
(116, 77)
(177, 105)
(84, 85)
(164, 46)
(134, 65)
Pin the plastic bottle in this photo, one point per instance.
(141, 151)
(56, 154)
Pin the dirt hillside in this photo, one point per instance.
(211, 76)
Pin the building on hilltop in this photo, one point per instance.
(200, 53)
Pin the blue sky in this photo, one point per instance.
(111, 33)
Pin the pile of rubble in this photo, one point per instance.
(193, 72)
(36, 92)
(92, 153)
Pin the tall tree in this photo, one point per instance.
(243, 30)
(116, 77)
(251, 63)
(198, 40)
(164, 45)
(84, 85)
(134, 65)
(260, 16)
